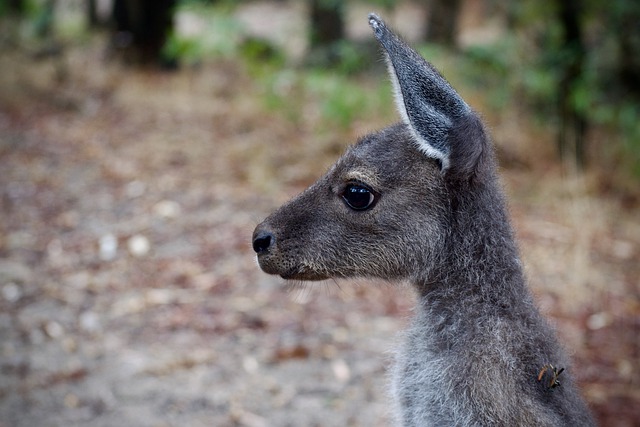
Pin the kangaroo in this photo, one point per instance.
(420, 201)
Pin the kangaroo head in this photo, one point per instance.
(385, 208)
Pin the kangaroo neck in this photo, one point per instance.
(480, 263)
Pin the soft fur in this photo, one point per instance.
(477, 345)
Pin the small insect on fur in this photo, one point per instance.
(555, 373)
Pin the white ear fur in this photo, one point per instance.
(427, 103)
(423, 145)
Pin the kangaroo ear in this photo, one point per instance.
(427, 103)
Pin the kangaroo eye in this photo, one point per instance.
(358, 197)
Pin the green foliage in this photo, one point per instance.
(39, 20)
(345, 56)
(387, 4)
(256, 50)
(341, 100)
(490, 66)
(528, 65)
(621, 121)
(183, 49)
(330, 4)
(220, 36)
(332, 100)
(4, 8)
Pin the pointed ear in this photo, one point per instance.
(427, 103)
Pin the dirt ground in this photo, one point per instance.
(129, 294)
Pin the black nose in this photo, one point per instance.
(262, 241)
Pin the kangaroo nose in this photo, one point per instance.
(262, 241)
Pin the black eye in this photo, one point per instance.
(358, 197)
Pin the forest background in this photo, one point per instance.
(141, 141)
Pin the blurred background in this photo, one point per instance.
(141, 142)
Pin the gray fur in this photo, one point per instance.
(477, 344)
(412, 78)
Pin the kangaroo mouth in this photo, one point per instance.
(294, 272)
(302, 273)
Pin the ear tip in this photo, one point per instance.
(377, 24)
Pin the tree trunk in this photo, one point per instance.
(92, 14)
(15, 7)
(326, 19)
(629, 44)
(573, 123)
(142, 27)
(327, 23)
(442, 19)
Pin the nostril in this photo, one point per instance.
(262, 242)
